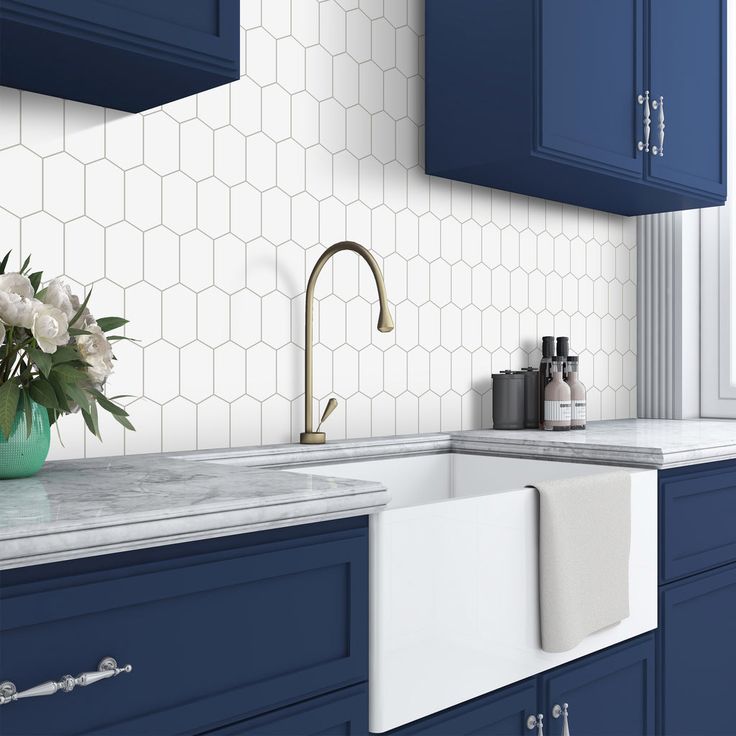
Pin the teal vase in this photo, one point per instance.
(22, 454)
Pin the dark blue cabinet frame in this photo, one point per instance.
(126, 54)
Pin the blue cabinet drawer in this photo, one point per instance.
(213, 636)
(344, 713)
(697, 519)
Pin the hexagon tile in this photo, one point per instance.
(201, 219)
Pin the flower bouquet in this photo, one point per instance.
(55, 358)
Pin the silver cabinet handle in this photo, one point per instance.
(562, 710)
(537, 722)
(644, 100)
(107, 668)
(659, 105)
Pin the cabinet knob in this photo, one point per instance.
(107, 668)
(537, 722)
(562, 710)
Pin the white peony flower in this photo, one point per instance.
(96, 351)
(16, 283)
(17, 311)
(59, 295)
(50, 328)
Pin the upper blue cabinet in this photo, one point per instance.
(127, 54)
(618, 105)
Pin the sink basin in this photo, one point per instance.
(453, 577)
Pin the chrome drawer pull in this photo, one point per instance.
(107, 668)
(536, 722)
(644, 100)
(659, 105)
(558, 711)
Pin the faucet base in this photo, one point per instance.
(312, 438)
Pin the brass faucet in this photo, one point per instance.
(385, 324)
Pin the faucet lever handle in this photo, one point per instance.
(331, 406)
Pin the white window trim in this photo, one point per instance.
(718, 278)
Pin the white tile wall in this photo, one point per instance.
(200, 221)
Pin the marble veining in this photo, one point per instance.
(87, 507)
(83, 507)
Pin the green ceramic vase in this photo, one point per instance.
(22, 454)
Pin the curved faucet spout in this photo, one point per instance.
(385, 324)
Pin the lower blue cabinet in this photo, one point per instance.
(217, 632)
(609, 693)
(697, 655)
(502, 713)
(344, 713)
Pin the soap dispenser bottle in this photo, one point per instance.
(578, 403)
(545, 372)
(557, 411)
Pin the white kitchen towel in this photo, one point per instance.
(584, 546)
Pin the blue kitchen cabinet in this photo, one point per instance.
(687, 52)
(697, 651)
(609, 693)
(126, 54)
(502, 713)
(217, 632)
(344, 713)
(548, 98)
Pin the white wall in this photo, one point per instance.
(200, 221)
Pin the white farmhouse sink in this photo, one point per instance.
(453, 578)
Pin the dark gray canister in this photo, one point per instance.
(508, 400)
(531, 398)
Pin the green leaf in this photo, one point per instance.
(80, 311)
(25, 264)
(9, 395)
(65, 354)
(78, 396)
(60, 391)
(35, 279)
(67, 374)
(124, 421)
(42, 360)
(4, 262)
(40, 295)
(92, 421)
(28, 411)
(114, 338)
(42, 392)
(111, 323)
(74, 331)
(107, 405)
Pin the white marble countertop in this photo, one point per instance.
(82, 508)
(650, 443)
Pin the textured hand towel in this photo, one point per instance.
(584, 545)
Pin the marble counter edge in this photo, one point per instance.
(90, 541)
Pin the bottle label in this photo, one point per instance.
(579, 411)
(557, 411)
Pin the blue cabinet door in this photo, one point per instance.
(696, 655)
(610, 693)
(501, 713)
(590, 70)
(687, 52)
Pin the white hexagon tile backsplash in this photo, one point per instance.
(200, 222)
